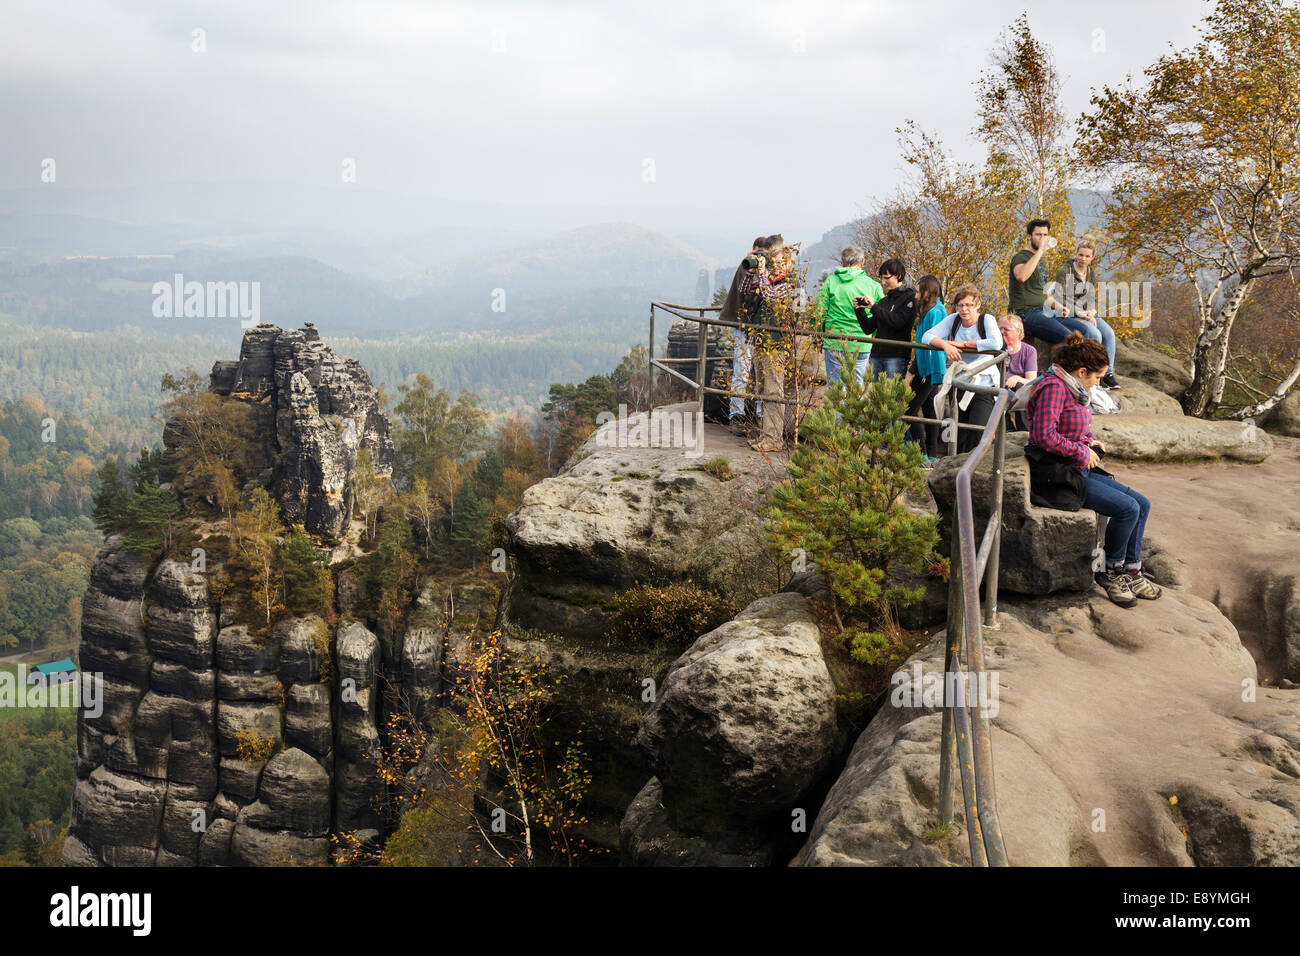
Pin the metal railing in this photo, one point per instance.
(965, 733)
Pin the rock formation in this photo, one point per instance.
(742, 727)
(621, 514)
(313, 412)
(217, 746)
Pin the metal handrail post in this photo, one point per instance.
(650, 362)
(951, 664)
(703, 357)
(954, 415)
(991, 572)
(969, 776)
(985, 807)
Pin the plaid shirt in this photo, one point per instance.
(1058, 423)
(751, 280)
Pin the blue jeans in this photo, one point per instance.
(741, 362)
(1050, 326)
(1127, 510)
(835, 365)
(1107, 341)
(895, 366)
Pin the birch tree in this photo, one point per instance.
(1203, 157)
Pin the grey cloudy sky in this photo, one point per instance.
(754, 114)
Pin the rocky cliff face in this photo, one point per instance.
(314, 412)
(622, 514)
(216, 746)
(169, 773)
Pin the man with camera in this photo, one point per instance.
(767, 295)
(738, 307)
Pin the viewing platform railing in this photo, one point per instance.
(965, 734)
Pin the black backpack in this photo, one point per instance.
(952, 332)
(1054, 480)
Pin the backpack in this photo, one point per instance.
(1054, 480)
(1101, 401)
(952, 332)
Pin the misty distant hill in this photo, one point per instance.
(58, 236)
(635, 263)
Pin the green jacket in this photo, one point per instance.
(836, 301)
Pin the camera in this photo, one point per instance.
(751, 261)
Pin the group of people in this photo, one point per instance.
(1064, 455)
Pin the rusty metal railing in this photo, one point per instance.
(968, 569)
(965, 732)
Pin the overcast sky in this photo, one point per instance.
(753, 115)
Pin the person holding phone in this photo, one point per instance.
(1061, 446)
(845, 292)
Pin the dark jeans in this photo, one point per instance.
(927, 436)
(1127, 510)
(1050, 326)
(888, 365)
(976, 413)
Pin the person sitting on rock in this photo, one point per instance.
(1022, 362)
(1076, 286)
(1061, 440)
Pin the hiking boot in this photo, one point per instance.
(1142, 586)
(767, 446)
(1116, 586)
(1110, 381)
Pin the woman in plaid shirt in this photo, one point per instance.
(1060, 423)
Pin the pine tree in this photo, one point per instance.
(111, 499)
(395, 566)
(31, 849)
(472, 523)
(307, 582)
(489, 475)
(149, 516)
(145, 470)
(843, 507)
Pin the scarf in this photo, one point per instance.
(1081, 394)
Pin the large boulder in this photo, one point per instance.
(620, 515)
(1284, 417)
(1099, 716)
(1138, 398)
(1169, 438)
(744, 722)
(647, 838)
(1135, 360)
(294, 794)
